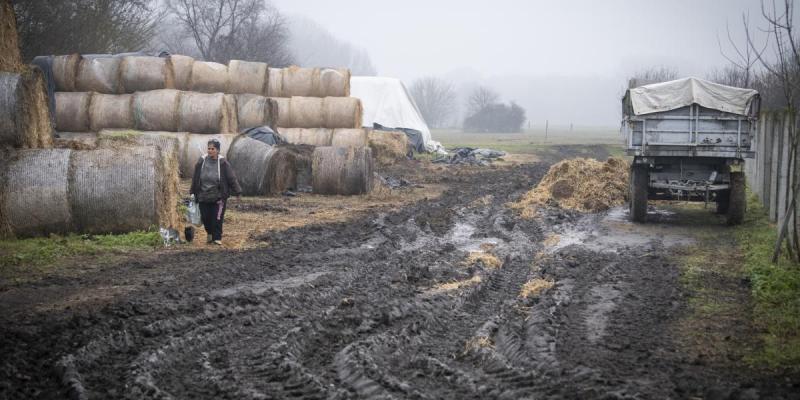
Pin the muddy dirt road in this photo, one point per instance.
(454, 297)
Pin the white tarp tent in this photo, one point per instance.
(666, 96)
(387, 102)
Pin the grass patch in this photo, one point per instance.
(20, 257)
(775, 290)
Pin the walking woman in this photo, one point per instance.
(213, 182)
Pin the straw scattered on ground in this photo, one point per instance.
(488, 260)
(534, 287)
(581, 184)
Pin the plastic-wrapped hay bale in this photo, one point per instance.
(296, 81)
(209, 77)
(342, 170)
(335, 82)
(111, 111)
(38, 203)
(156, 110)
(72, 111)
(197, 145)
(262, 169)
(24, 113)
(99, 75)
(75, 140)
(65, 70)
(254, 110)
(169, 148)
(118, 190)
(142, 73)
(349, 138)
(206, 113)
(388, 147)
(10, 59)
(248, 77)
(182, 67)
(312, 136)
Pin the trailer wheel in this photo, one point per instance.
(737, 202)
(638, 192)
(723, 200)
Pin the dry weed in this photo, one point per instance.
(487, 259)
(535, 287)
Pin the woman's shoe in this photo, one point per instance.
(218, 242)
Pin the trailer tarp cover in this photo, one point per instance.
(665, 96)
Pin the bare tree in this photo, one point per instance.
(84, 26)
(435, 98)
(480, 98)
(226, 29)
(740, 73)
(652, 75)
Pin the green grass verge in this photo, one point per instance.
(775, 290)
(37, 252)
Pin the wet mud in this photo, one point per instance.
(400, 304)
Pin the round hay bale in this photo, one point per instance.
(232, 122)
(284, 105)
(39, 202)
(142, 73)
(262, 169)
(302, 154)
(387, 147)
(156, 110)
(75, 140)
(342, 112)
(111, 111)
(196, 146)
(335, 82)
(117, 190)
(313, 136)
(10, 59)
(248, 77)
(206, 113)
(65, 71)
(209, 77)
(342, 170)
(185, 166)
(349, 138)
(275, 82)
(101, 75)
(296, 81)
(72, 111)
(182, 67)
(24, 111)
(254, 110)
(306, 112)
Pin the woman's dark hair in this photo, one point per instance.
(215, 143)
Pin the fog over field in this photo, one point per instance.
(566, 62)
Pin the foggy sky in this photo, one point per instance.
(565, 61)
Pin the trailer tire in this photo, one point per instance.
(638, 192)
(723, 201)
(737, 203)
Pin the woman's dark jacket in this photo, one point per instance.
(228, 184)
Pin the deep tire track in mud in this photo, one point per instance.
(353, 310)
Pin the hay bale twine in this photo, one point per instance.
(254, 110)
(182, 67)
(335, 82)
(349, 138)
(388, 147)
(262, 169)
(209, 77)
(342, 112)
(65, 71)
(75, 140)
(196, 146)
(100, 74)
(72, 111)
(342, 170)
(24, 111)
(142, 73)
(156, 110)
(39, 202)
(10, 58)
(312, 137)
(248, 77)
(206, 113)
(111, 111)
(296, 81)
(117, 190)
